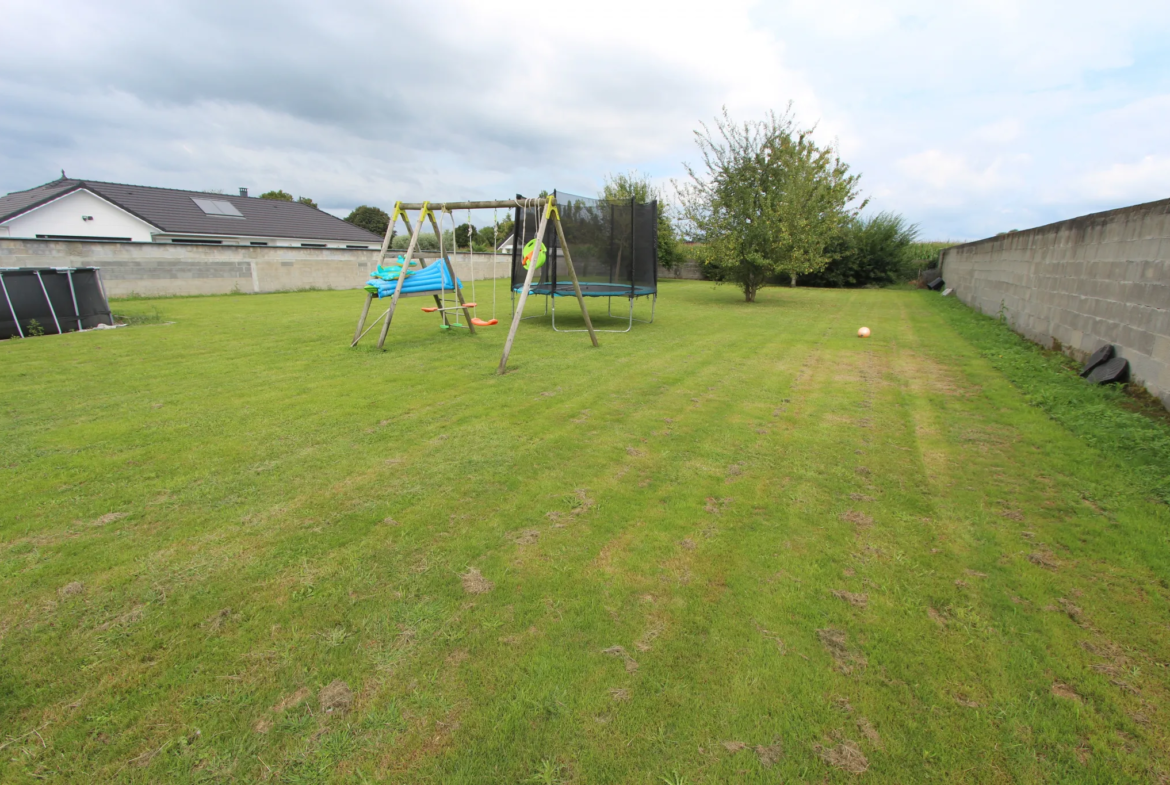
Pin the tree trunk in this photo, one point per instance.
(793, 277)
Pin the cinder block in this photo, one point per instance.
(1161, 351)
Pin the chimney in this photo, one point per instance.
(243, 192)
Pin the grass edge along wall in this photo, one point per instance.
(1077, 284)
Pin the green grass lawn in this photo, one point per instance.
(737, 545)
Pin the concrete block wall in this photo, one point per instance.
(687, 271)
(162, 269)
(1078, 284)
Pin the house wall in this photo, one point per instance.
(160, 269)
(64, 217)
(1078, 284)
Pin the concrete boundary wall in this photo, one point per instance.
(1078, 284)
(163, 269)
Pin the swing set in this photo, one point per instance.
(411, 277)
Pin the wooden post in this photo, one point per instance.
(524, 291)
(357, 334)
(401, 277)
(573, 275)
(398, 213)
(438, 236)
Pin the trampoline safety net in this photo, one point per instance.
(614, 245)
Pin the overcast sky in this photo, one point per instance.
(969, 117)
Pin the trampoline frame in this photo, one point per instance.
(609, 310)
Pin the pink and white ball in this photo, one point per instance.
(863, 332)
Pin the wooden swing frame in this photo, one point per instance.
(425, 212)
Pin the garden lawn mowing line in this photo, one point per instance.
(739, 544)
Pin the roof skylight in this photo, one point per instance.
(217, 207)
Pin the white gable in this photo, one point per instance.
(80, 214)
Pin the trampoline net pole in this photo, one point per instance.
(8, 299)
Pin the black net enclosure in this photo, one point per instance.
(51, 300)
(613, 244)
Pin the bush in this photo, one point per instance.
(923, 256)
(868, 252)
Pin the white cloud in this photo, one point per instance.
(970, 117)
(1000, 132)
(954, 173)
(1144, 180)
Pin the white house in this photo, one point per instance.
(68, 209)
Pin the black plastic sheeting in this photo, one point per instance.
(58, 299)
(614, 244)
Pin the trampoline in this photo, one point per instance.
(615, 253)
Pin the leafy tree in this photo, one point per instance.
(463, 234)
(769, 200)
(868, 251)
(372, 219)
(285, 196)
(488, 238)
(637, 186)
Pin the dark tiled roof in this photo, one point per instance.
(174, 212)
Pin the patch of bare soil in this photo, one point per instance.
(936, 617)
(1044, 559)
(580, 504)
(109, 517)
(527, 537)
(734, 746)
(862, 470)
(634, 452)
(854, 599)
(836, 643)
(130, 617)
(620, 652)
(858, 519)
(216, 621)
(1074, 613)
(1014, 515)
(475, 583)
(645, 643)
(846, 756)
(860, 497)
(71, 589)
(975, 574)
(291, 701)
(688, 544)
(1108, 649)
(717, 506)
(390, 522)
(769, 755)
(962, 700)
(1062, 690)
(458, 656)
(842, 704)
(335, 697)
(866, 728)
(620, 695)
